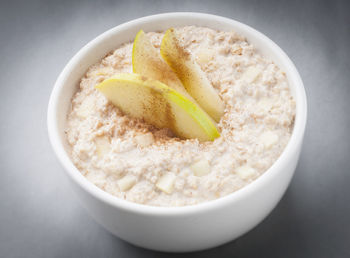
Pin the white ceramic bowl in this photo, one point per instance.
(189, 228)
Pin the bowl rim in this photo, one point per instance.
(269, 174)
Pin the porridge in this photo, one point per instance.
(138, 162)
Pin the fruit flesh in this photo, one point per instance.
(192, 77)
(159, 105)
(146, 60)
(166, 183)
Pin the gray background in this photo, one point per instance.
(39, 214)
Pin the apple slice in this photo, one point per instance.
(159, 105)
(146, 60)
(192, 77)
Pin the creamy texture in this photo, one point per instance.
(137, 162)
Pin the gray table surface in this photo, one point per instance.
(40, 215)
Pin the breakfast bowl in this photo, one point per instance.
(187, 228)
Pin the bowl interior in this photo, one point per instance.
(94, 51)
